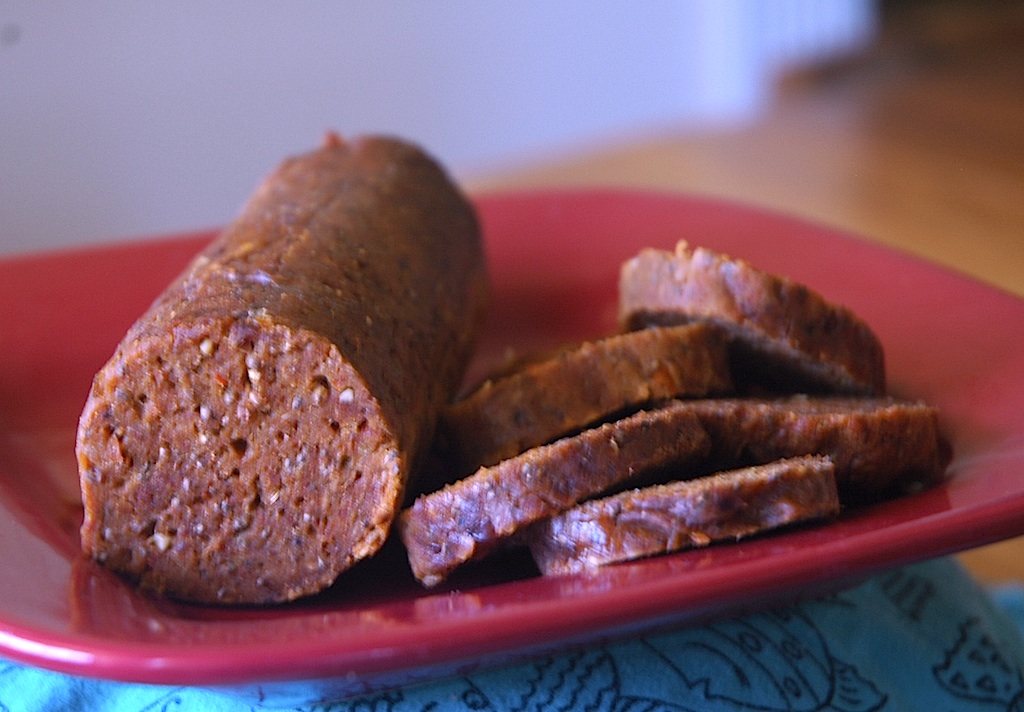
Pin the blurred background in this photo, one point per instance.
(899, 120)
(128, 119)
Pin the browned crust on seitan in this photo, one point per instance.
(470, 518)
(577, 387)
(679, 515)
(879, 445)
(253, 434)
(783, 330)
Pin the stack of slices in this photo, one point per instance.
(732, 403)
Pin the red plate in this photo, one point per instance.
(555, 258)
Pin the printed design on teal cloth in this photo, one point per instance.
(775, 662)
(975, 669)
(909, 593)
(794, 659)
(770, 662)
(173, 702)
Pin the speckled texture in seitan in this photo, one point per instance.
(470, 518)
(575, 388)
(784, 333)
(680, 515)
(253, 435)
(879, 446)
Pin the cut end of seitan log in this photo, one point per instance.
(254, 433)
(218, 456)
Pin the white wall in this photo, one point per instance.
(128, 118)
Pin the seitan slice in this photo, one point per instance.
(470, 518)
(784, 334)
(679, 515)
(880, 446)
(562, 394)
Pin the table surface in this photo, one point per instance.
(917, 144)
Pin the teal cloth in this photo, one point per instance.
(923, 637)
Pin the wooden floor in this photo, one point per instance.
(917, 144)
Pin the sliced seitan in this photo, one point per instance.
(880, 446)
(544, 400)
(785, 335)
(470, 518)
(684, 514)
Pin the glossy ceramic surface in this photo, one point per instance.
(554, 259)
